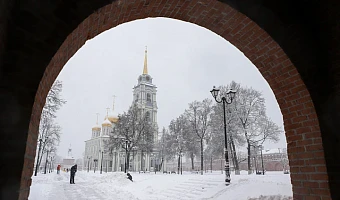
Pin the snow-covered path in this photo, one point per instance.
(159, 186)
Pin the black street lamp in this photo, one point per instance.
(101, 162)
(52, 164)
(95, 165)
(88, 163)
(110, 162)
(127, 142)
(230, 95)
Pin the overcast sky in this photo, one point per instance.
(185, 61)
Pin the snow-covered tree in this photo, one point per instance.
(176, 139)
(249, 107)
(198, 115)
(164, 152)
(192, 145)
(49, 130)
(132, 131)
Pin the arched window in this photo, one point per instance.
(148, 97)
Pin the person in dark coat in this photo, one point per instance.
(73, 173)
(129, 176)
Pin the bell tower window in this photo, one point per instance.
(148, 97)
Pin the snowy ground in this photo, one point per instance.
(114, 185)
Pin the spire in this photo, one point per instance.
(107, 113)
(97, 117)
(113, 105)
(145, 70)
(69, 152)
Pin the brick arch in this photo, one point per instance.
(305, 150)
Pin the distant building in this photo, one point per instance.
(273, 160)
(69, 161)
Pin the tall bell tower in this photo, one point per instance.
(144, 95)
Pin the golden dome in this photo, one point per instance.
(106, 122)
(113, 118)
(96, 127)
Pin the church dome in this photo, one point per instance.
(113, 118)
(96, 127)
(106, 122)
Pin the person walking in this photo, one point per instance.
(58, 169)
(73, 173)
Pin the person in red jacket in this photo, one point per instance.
(58, 169)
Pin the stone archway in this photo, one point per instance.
(305, 150)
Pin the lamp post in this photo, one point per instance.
(110, 162)
(88, 163)
(126, 156)
(101, 161)
(53, 158)
(230, 95)
(95, 165)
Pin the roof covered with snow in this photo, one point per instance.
(96, 126)
(106, 122)
(273, 151)
(112, 114)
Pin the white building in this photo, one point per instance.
(95, 154)
(144, 96)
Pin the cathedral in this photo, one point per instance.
(96, 157)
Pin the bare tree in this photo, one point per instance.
(198, 115)
(249, 107)
(134, 129)
(50, 138)
(192, 146)
(176, 139)
(267, 130)
(53, 100)
(163, 149)
(49, 131)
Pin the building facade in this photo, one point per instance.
(273, 160)
(96, 157)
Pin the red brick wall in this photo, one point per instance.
(305, 151)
